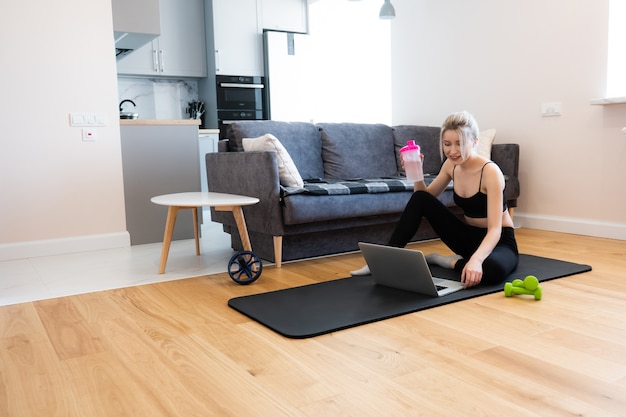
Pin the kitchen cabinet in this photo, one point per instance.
(180, 50)
(238, 31)
(285, 15)
(159, 158)
(238, 38)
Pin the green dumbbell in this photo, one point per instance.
(529, 286)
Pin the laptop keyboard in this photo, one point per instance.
(440, 287)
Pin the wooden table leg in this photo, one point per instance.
(241, 224)
(195, 229)
(172, 212)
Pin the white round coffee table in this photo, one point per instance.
(193, 200)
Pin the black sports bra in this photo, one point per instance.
(476, 205)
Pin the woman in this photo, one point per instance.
(484, 244)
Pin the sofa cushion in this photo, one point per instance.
(306, 208)
(353, 150)
(287, 171)
(485, 140)
(301, 140)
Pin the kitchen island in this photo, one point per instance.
(160, 122)
(158, 157)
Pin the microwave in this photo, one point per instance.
(236, 92)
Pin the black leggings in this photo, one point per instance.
(459, 236)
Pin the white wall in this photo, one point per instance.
(58, 194)
(501, 60)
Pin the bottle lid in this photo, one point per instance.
(410, 146)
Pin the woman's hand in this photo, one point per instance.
(402, 160)
(472, 273)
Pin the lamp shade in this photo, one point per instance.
(387, 11)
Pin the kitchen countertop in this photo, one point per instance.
(148, 122)
(209, 131)
(168, 122)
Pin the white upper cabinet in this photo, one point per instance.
(238, 29)
(238, 38)
(180, 50)
(285, 15)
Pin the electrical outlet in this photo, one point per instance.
(550, 109)
(89, 135)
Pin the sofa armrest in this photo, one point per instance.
(507, 157)
(253, 174)
(222, 145)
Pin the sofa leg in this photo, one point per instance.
(278, 250)
(511, 211)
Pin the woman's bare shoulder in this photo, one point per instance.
(492, 172)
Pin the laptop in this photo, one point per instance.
(405, 269)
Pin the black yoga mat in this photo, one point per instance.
(316, 309)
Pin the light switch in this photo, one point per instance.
(100, 119)
(76, 119)
(87, 119)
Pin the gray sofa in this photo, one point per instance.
(354, 189)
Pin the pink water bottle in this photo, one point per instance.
(412, 161)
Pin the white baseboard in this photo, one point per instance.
(37, 248)
(586, 227)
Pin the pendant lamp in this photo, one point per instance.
(387, 11)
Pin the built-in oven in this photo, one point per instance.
(239, 98)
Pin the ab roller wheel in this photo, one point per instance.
(245, 267)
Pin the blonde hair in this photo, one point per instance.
(465, 125)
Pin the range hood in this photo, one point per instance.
(127, 42)
(135, 23)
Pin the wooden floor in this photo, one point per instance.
(177, 349)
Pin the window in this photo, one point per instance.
(351, 62)
(616, 64)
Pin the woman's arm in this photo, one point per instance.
(493, 186)
(440, 182)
